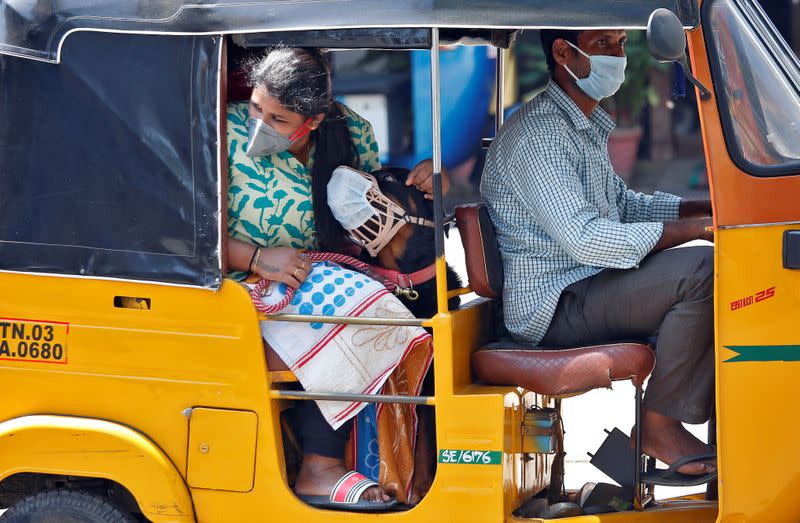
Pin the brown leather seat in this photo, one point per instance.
(484, 264)
(563, 371)
(553, 372)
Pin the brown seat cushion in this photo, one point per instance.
(483, 260)
(556, 372)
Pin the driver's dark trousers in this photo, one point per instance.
(670, 297)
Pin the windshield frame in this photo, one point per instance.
(780, 54)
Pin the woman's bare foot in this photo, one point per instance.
(424, 456)
(666, 439)
(319, 474)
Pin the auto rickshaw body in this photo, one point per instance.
(132, 368)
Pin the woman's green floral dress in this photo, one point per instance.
(269, 202)
(269, 198)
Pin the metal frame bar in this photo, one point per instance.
(748, 225)
(438, 194)
(637, 471)
(361, 398)
(348, 320)
(222, 153)
(556, 487)
(459, 292)
(499, 84)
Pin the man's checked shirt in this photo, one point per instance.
(560, 211)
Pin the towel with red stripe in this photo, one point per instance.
(328, 357)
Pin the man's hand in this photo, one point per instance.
(682, 231)
(694, 209)
(421, 176)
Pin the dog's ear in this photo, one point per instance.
(385, 177)
(391, 175)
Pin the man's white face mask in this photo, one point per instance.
(605, 77)
(358, 204)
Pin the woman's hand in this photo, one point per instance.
(421, 176)
(282, 264)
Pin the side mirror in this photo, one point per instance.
(667, 42)
(665, 36)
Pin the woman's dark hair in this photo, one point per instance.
(300, 80)
(548, 36)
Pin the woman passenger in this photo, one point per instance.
(283, 146)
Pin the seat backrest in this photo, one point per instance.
(484, 263)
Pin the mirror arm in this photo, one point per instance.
(705, 94)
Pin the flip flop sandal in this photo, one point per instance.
(346, 495)
(670, 477)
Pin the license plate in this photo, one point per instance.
(471, 457)
(33, 341)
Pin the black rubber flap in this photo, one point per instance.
(108, 161)
(616, 458)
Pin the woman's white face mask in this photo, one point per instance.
(262, 139)
(605, 76)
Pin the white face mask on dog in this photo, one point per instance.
(358, 204)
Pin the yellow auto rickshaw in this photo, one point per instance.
(134, 380)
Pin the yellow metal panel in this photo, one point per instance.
(471, 328)
(759, 461)
(143, 369)
(222, 449)
(464, 421)
(99, 449)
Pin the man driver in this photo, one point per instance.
(584, 256)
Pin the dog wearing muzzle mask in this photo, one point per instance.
(393, 223)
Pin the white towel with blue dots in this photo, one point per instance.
(326, 357)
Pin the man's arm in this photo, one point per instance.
(682, 231)
(695, 209)
(639, 207)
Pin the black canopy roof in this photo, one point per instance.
(37, 28)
